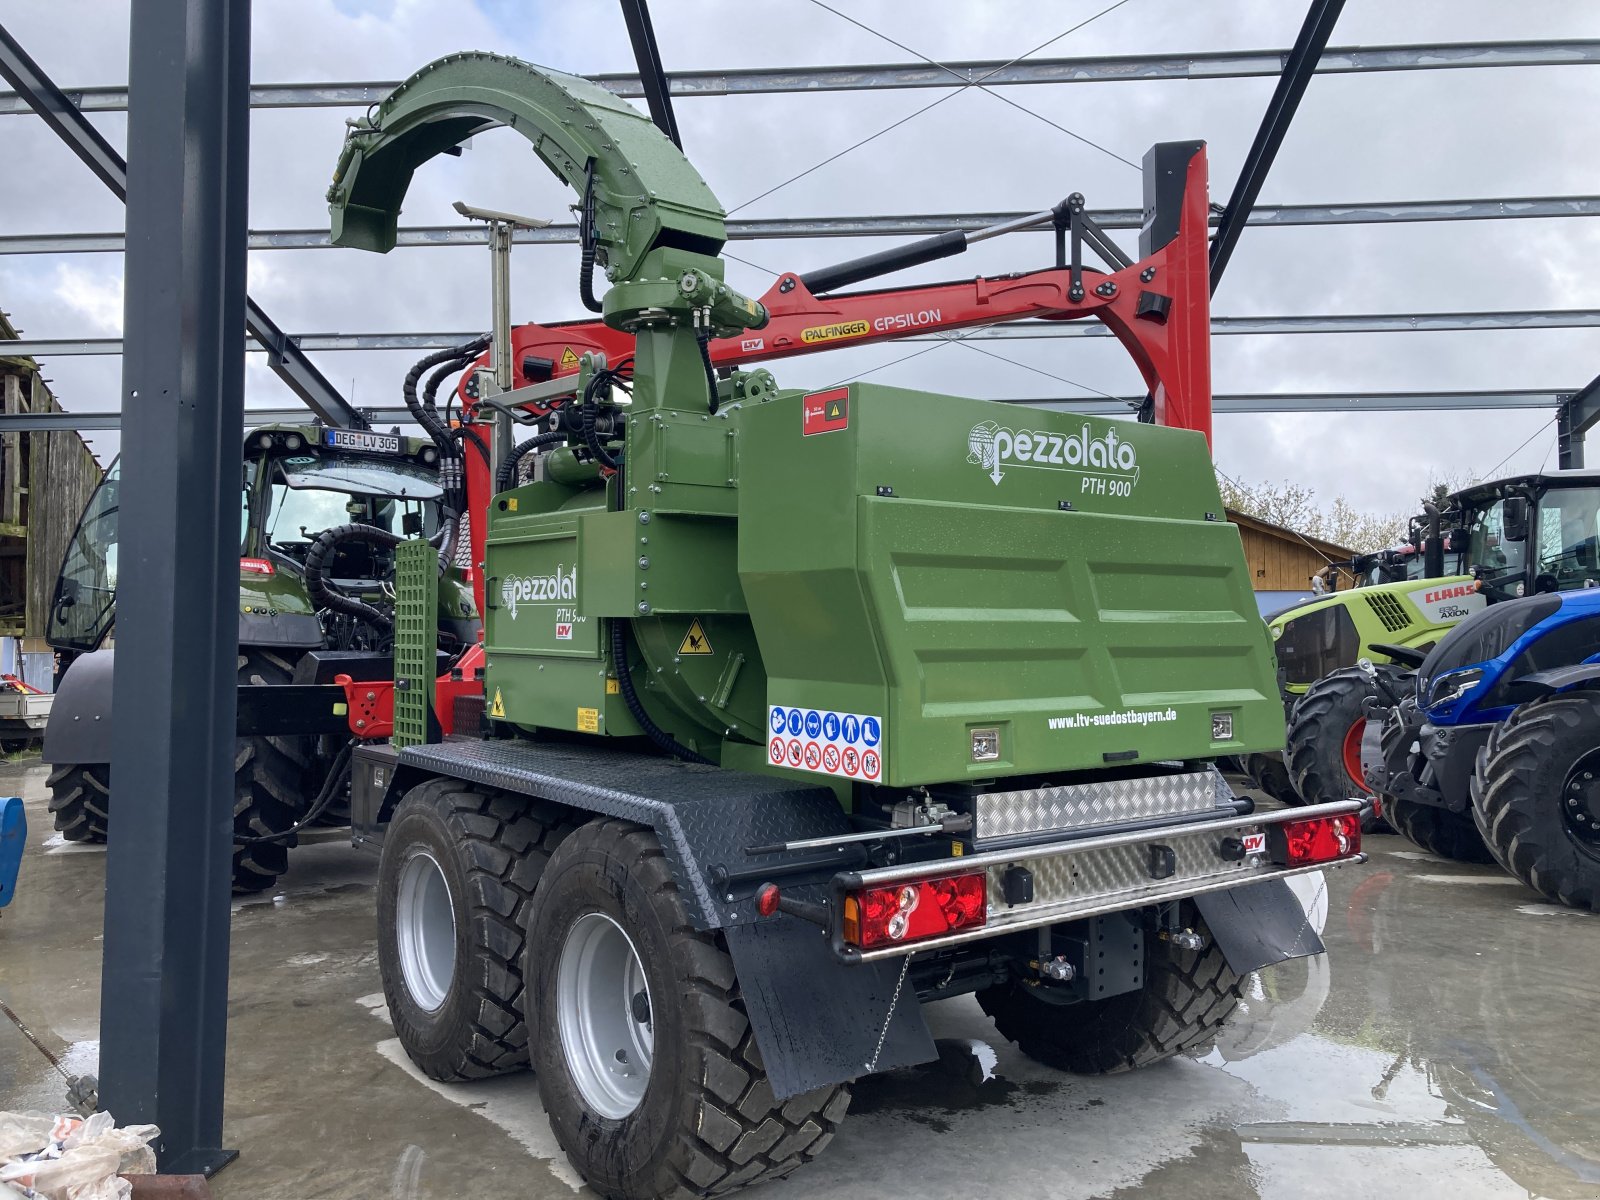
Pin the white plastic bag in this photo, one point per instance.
(68, 1158)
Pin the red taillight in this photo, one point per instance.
(909, 912)
(256, 566)
(1319, 840)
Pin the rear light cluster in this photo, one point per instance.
(910, 912)
(1318, 840)
(256, 566)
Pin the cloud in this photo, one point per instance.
(1371, 137)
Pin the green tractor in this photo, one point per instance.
(1487, 533)
(796, 711)
(321, 509)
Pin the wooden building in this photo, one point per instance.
(45, 480)
(1283, 561)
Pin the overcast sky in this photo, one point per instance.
(1374, 137)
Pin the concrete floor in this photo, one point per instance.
(1445, 1047)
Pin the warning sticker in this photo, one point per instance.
(695, 641)
(497, 707)
(569, 360)
(834, 333)
(849, 745)
(588, 720)
(824, 412)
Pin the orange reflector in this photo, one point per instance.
(256, 566)
(1318, 840)
(909, 912)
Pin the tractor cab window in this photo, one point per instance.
(86, 589)
(1498, 547)
(1568, 539)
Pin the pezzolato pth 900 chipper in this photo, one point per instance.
(796, 711)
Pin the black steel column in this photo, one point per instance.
(163, 1006)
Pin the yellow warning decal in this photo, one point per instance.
(569, 360)
(695, 641)
(588, 720)
(498, 707)
(834, 333)
(612, 687)
(957, 849)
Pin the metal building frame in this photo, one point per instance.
(163, 1015)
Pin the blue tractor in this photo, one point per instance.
(1495, 754)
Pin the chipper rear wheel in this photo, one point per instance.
(1186, 998)
(80, 800)
(647, 1066)
(459, 867)
(1324, 740)
(1536, 797)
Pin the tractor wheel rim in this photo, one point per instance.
(1580, 801)
(425, 928)
(604, 1016)
(1351, 752)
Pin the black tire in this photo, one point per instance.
(1324, 731)
(1437, 830)
(490, 850)
(1529, 774)
(15, 745)
(1270, 775)
(707, 1121)
(1187, 997)
(80, 796)
(274, 781)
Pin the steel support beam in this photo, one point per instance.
(1565, 318)
(653, 79)
(1297, 72)
(1381, 212)
(38, 94)
(1264, 402)
(1578, 413)
(164, 986)
(1223, 64)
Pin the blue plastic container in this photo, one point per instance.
(13, 837)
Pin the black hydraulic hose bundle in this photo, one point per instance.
(587, 244)
(589, 411)
(338, 778)
(322, 591)
(424, 409)
(663, 740)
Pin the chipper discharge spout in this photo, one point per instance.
(797, 709)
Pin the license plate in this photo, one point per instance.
(356, 439)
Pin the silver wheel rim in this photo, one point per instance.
(603, 1014)
(425, 927)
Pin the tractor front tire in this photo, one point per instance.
(1533, 803)
(458, 870)
(1324, 740)
(80, 800)
(1187, 997)
(1437, 830)
(654, 1085)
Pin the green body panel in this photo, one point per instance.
(1119, 627)
(1413, 612)
(416, 638)
(646, 193)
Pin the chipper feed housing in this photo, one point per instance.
(797, 709)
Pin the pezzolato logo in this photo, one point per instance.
(1109, 465)
(539, 589)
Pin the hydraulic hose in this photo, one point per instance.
(702, 338)
(586, 244)
(426, 415)
(338, 776)
(663, 740)
(588, 414)
(508, 470)
(322, 591)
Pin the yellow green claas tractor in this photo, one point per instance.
(321, 510)
(798, 710)
(1492, 541)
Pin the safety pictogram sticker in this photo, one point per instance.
(497, 706)
(695, 641)
(569, 360)
(849, 745)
